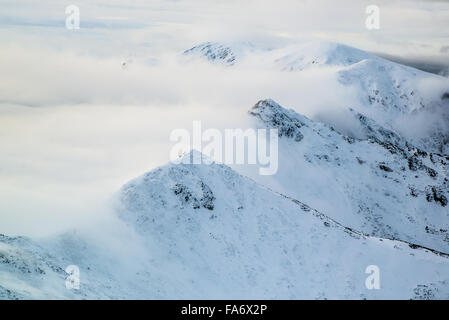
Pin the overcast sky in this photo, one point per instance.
(152, 26)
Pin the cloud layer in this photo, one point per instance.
(75, 124)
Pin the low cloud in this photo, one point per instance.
(76, 123)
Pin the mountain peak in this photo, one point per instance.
(287, 121)
(268, 109)
(218, 52)
(193, 157)
(291, 58)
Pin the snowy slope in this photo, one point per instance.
(317, 53)
(394, 95)
(35, 269)
(226, 54)
(209, 232)
(224, 233)
(398, 97)
(289, 58)
(27, 271)
(337, 204)
(381, 185)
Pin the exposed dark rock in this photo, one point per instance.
(207, 201)
(186, 196)
(413, 192)
(214, 51)
(434, 193)
(424, 292)
(385, 168)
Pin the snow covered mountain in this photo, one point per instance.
(218, 228)
(338, 203)
(400, 98)
(381, 185)
(317, 53)
(210, 232)
(397, 97)
(225, 54)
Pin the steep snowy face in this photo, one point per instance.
(222, 234)
(381, 185)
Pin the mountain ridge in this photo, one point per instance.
(390, 93)
(338, 204)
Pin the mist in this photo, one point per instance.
(72, 140)
(76, 123)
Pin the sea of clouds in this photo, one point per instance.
(82, 112)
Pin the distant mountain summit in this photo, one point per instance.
(397, 97)
(318, 53)
(290, 58)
